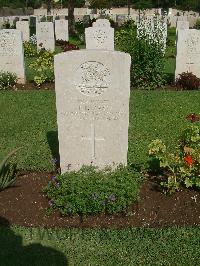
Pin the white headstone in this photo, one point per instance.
(61, 30)
(45, 36)
(188, 52)
(182, 25)
(99, 38)
(12, 53)
(101, 23)
(92, 99)
(23, 26)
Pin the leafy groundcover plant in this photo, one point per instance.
(43, 67)
(183, 166)
(92, 191)
(7, 80)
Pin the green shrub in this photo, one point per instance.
(43, 67)
(30, 50)
(7, 80)
(147, 70)
(183, 166)
(91, 191)
(197, 25)
(7, 172)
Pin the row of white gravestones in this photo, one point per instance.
(12, 54)
(100, 36)
(188, 52)
(45, 33)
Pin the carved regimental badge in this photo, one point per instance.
(92, 78)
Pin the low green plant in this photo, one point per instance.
(92, 191)
(183, 166)
(7, 171)
(7, 80)
(197, 25)
(43, 67)
(30, 50)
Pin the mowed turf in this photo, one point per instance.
(20, 246)
(28, 120)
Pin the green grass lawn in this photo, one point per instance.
(28, 119)
(20, 246)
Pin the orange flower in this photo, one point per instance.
(188, 160)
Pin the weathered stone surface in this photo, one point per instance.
(92, 99)
(23, 26)
(99, 38)
(45, 36)
(61, 30)
(12, 53)
(182, 25)
(188, 52)
(101, 23)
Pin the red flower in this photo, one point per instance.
(188, 160)
(193, 118)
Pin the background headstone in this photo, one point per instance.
(23, 26)
(61, 30)
(45, 36)
(188, 52)
(99, 38)
(92, 99)
(101, 23)
(12, 53)
(182, 25)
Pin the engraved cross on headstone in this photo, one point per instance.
(189, 64)
(93, 140)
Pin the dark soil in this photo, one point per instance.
(32, 86)
(25, 204)
(51, 86)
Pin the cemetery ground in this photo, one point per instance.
(156, 229)
(29, 119)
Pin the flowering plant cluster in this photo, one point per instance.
(91, 191)
(33, 39)
(183, 166)
(147, 69)
(30, 50)
(7, 80)
(154, 30)
(43, 67)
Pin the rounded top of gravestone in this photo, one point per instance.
(101, 23)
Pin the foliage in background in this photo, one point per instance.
(138, 4)
(7, 80)
(91, 191)
(43, 67)
(147, 70)
(188, 81)
(182, 167)
(7, 171)
(30, 50)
